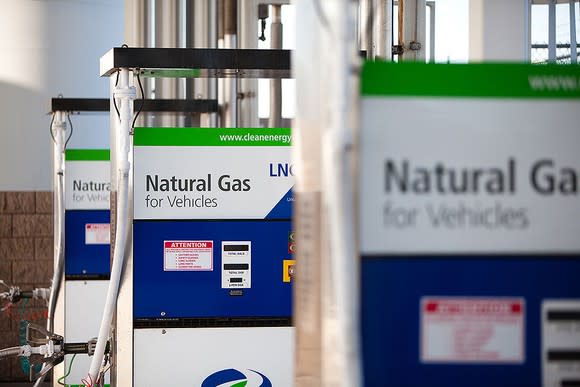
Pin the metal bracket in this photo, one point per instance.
(52, 349)
(398, 49)
(415, 46)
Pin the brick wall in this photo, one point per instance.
(26, 260)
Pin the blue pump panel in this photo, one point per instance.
(198, 294)
(392, 288)
(82, 259)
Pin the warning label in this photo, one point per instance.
(97, 233)
(472, 330)
(187, 255)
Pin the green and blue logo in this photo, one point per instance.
(234, 378)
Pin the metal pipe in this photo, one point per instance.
(212, 42)
(275, 120)
(431, 5)
(552, 31)
(231, 84)
(382, 31)
(166, 36)
(573, 47)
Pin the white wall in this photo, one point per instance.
(498, 30)
(50, 47)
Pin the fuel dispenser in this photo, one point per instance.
(87, 243)
(212, 256)
(469, 227)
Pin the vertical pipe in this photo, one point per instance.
(573, 43)
(200, 40)
(528, 31)
(431, 5)
(230, 41)
(137, 31)
(248, 38)
(413, 29)
(341, 308)
(166, 36)
(190, 34)
(366, 26)
(212, 42)
(221, 83)
(275, 120)
(382, 31)
(552, 31)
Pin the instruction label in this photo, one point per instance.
(188, 255)
(472, 330)
(97, 233)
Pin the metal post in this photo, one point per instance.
(573, 43)
(276, 84)
(552, 31)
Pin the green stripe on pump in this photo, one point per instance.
(87, 155)
(212, 137)
(498, 80)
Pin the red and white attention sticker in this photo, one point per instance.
(187, 255)
(472, 330)
(97, 233)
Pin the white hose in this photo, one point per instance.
(126, 95)
(58, 268)
(10, 352)
(58, 157)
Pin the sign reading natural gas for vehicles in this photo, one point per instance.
(87, 179)
(199, 173)
(469, 158)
